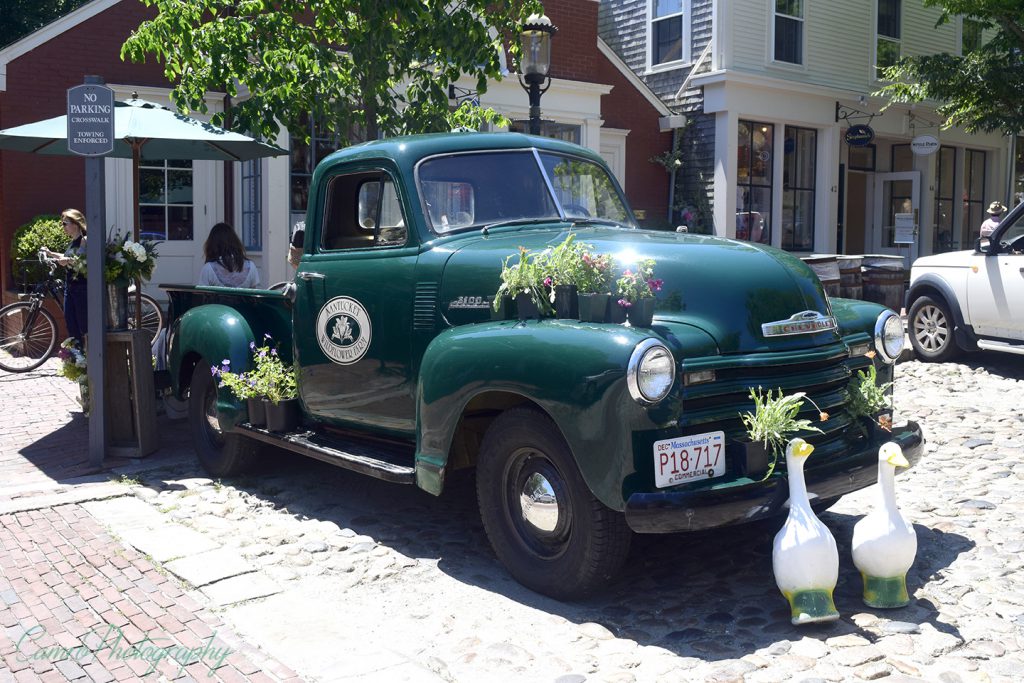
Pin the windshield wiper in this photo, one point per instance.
(521, 221)
(599, 221)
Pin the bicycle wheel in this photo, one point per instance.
(28, 337)
(152, 315)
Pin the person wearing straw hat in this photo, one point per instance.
(995, 214)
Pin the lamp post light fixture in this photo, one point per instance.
(535, 62)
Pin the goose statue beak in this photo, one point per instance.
(893, 455)
(800, 448)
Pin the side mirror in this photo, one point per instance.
(983, 245)
(682, 228)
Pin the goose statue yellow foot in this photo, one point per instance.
(884, 544)
(804, 557)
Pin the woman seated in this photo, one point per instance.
(226, 262)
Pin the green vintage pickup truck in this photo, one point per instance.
(581, 433)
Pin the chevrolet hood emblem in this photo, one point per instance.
(804, 322)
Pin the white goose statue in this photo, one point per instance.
(804, 557)
(884, 543)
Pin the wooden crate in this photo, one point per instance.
(130, 395)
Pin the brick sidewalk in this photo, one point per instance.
(76, 604)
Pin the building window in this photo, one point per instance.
(165, 199)
(304, 158)
(973, 196)
(970, 36)
(754, 182)
(789, 31)
(887, 46)
(550, 129)
(945, 199)
(252, 205)
(667, 37)
(902, 158)
(799, 171)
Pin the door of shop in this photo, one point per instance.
(895, 193)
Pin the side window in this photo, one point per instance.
(362, 210)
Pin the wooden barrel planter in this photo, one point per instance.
(826, 267)
(884, 279)
(851, 286)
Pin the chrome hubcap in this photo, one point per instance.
(931, 330)
(539, 503)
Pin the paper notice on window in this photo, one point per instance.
(904, 228)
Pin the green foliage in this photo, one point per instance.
(866, 397)
(979, 91)
(526, 276)
(41, 231)
(270, 377)
(572, 263)
(22, 17)
(638, 283)
(354, 65)
(775, 418)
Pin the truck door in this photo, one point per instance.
(353, 305)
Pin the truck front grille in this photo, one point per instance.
(823, 374)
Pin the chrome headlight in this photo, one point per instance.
(889, 336)
(651, 372)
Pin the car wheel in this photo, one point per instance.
(221, 454)
(931, 330)
(545, 526)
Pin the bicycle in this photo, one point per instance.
(28, 332)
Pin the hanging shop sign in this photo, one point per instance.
(860, 135)
(924, 145)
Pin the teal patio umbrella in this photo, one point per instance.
(144, 130)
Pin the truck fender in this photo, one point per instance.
(215, 332)
(574, 372)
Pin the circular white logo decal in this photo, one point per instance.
(343, 330)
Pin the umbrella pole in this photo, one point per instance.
(136, 154)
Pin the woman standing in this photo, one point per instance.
(75, 288)
(226, 262)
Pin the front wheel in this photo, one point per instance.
(931, 330)
(28, 337)
(545, 526)
(221, 454)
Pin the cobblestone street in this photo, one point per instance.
(341, 577)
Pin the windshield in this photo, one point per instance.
(463, 191)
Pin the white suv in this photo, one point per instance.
(970, 300)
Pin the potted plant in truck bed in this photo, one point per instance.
(276, 380)
(579, 281)
(242, 386)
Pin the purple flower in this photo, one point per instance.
(214, 370)
(266, 335)
(273, 352)
(252, 345)
(226, 361)
(624, 303)
(547, 281)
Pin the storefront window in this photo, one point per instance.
(902, 158)
(799, 167)
(754, 182)
(945, 199)
(165, 199)
(973, 196)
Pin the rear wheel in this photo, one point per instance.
(221, 454)
(931, 330)
(545, 526)
(28, 337)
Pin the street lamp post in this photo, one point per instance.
(536, 60)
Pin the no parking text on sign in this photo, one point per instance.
(90, 120)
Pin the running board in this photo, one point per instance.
(1001, 346)
(376, 459)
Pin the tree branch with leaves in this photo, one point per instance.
(366, 66)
